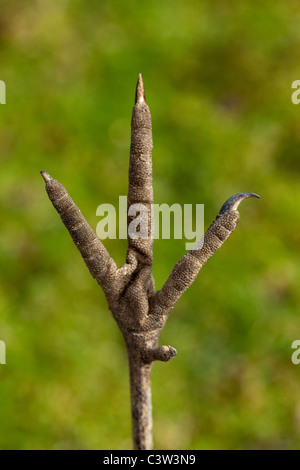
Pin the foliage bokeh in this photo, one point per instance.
(218, 81)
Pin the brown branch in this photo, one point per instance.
(139, 311)
(140, 189)
(187, 269)
(101, 266)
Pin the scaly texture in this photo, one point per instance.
(140, 311)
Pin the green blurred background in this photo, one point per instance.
(218, 81)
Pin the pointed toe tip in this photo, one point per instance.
(140, 90)
(46, 176)
(234, 201)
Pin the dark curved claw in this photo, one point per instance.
(233, 202)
